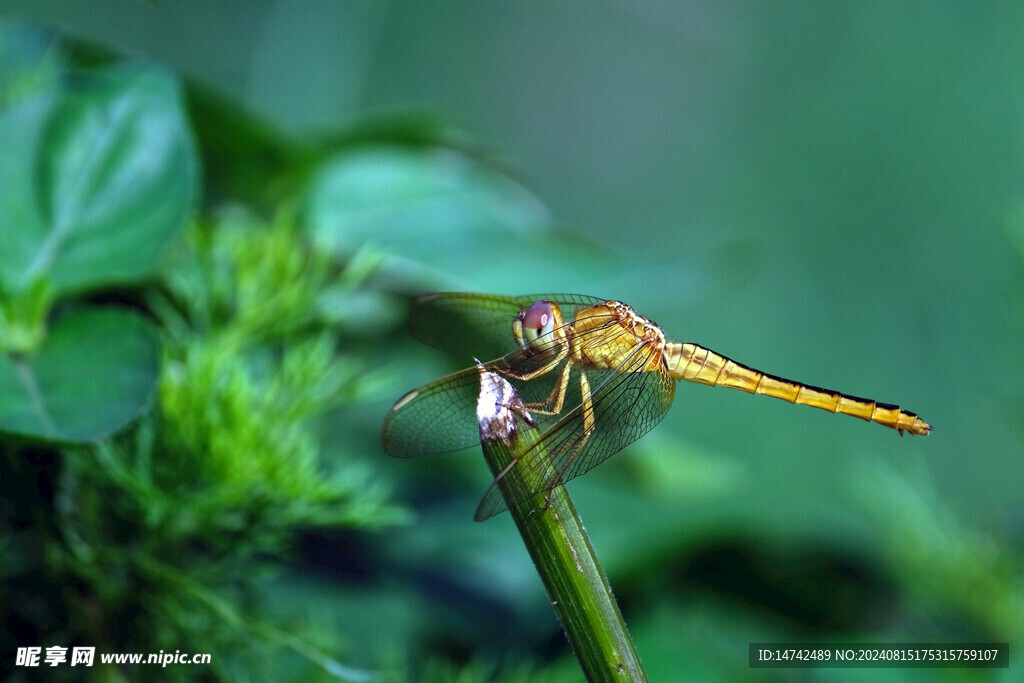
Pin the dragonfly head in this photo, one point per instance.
(534, 325)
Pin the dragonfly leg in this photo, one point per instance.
(587, 406)
(557, 395)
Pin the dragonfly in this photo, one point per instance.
(594, 375)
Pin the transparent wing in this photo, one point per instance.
(627, 402)
(469, 326)
(440, 416)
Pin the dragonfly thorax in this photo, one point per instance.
(624, 334)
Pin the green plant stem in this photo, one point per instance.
(557, 543)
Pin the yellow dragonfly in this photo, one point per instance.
(594, 374)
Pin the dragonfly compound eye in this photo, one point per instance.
(537, 321)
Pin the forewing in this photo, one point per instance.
(435, 418)
(626, 401)
(441, 416)
(469, 326)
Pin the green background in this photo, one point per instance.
(828, 192)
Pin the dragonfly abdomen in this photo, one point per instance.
(695, 363)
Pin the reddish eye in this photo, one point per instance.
(537, 321)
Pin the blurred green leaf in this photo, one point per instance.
(95, 373)
(95, 179)
(406, 198)
(23, 317)
(438, 215)
(29, 60)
